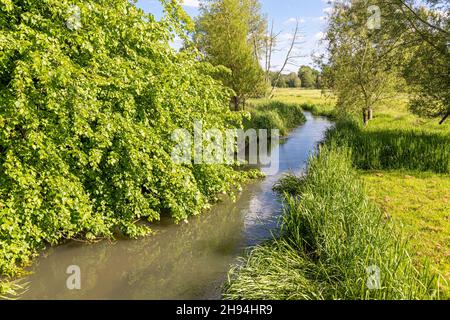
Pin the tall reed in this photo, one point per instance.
(333, 245)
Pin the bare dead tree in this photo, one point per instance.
(290, 58)
(270, 48)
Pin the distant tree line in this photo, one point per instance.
(306, 77)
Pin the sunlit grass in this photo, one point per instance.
(315, 101)
(384, 147)
(394, 114)
(418, 203)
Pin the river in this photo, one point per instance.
(186, 261)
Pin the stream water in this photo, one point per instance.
(187, 261)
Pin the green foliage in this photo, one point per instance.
(290, 185)
(275, 115)
(86, 120)
(423, 55)
(408, 51)
(331, 234)
(229, 33)
(393, 148)
(290, 80)
(360, 69)
(309, 77)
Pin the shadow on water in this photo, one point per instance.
(187, 261)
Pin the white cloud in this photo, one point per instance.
(328, 10)
(319, 35)
(191, 3)
(294, 20)
(285, 36)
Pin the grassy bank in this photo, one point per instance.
(396, 139)
(409, 189)
(381, 147)
(314, 101)
(331, 234)
(274, 115)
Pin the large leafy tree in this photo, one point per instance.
(89, 98)
(230, 33)
(361, 69)
(410, 42)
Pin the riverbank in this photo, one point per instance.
(299, 265)
(315, 101)
(333, 241)
(275, 114)
(166, 261)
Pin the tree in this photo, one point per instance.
(294, 81)
(290, 58)
(87, 112)
(290, 80)
(424, 31)
(308, 77)
(361, 69)
(408, 41)
(230, 34)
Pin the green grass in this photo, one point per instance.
(396, 139)
(417, 203)
(275, 115)
(331, 234)
(398, 215)
(314, 101)
(383, 147)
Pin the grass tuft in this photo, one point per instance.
(331, 234)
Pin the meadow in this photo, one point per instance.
(373, 195)
(319, 103)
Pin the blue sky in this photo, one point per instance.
(310, 13)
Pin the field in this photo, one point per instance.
(315, 101)
(403, 164)
(417, 203)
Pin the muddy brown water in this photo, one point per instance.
(186, 261)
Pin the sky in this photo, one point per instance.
(310, 13)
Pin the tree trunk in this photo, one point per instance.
(445, 118)
(365, 119)
(235, 103)
(370, 114)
